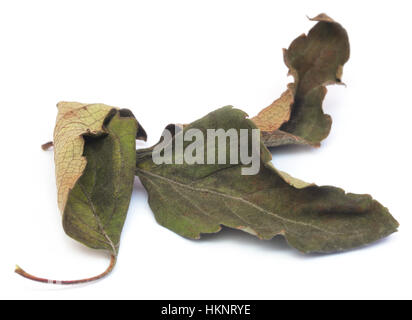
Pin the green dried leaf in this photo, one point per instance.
(95, 155)
(97, 205)
(195, 199)
(315, 61)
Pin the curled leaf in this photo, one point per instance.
(315, 61)
(201, 198)
(95, 156)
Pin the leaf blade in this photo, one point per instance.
(73, 121)
(315, 61)
(312, 218)
(98, 203)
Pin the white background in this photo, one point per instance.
(175, 61)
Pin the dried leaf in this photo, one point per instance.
(98, 203)
(74, 120)
(315, 61)
(95, 155)
(195, 199)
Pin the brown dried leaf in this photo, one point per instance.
(315, 61)
(73, 121)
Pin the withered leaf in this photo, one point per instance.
(201, 198)
(315, 61)
(95, 156)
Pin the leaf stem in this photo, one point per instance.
(47, 145)
(26, 275)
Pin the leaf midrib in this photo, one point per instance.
(224, 195)
(98, 221)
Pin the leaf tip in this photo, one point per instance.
(322, 17)
(18, 270)
(47, 145)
